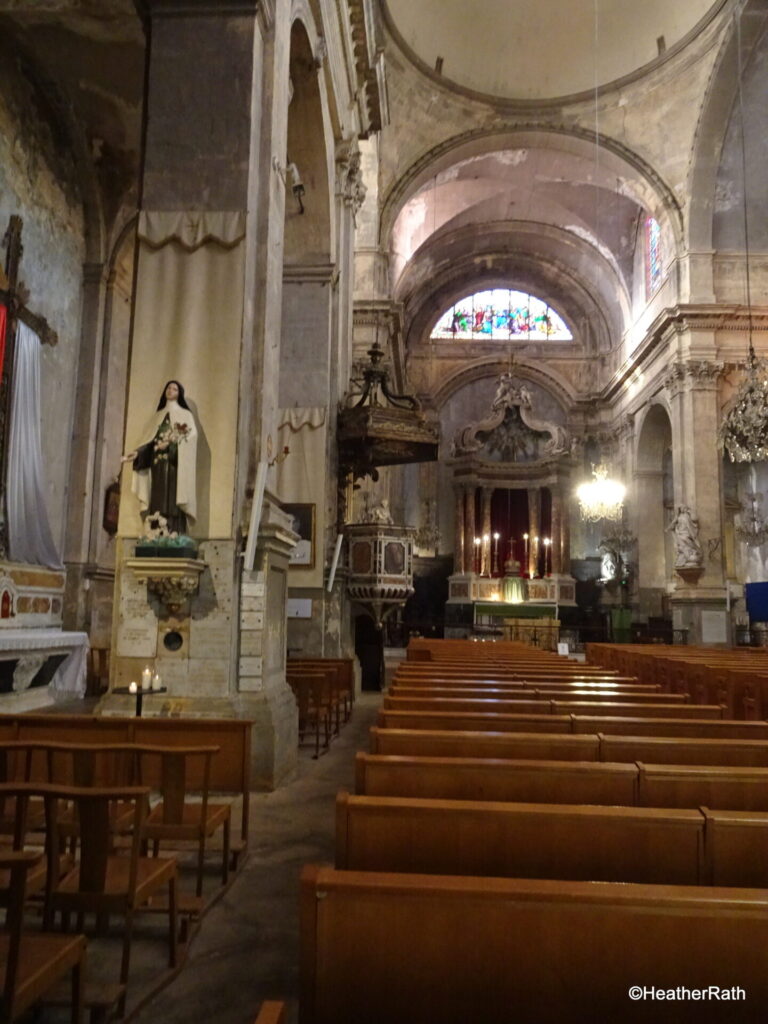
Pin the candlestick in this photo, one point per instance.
(548, 556)
(475, 563)
(146, 678)
(485, 557)
(527, 563)
(496, 538)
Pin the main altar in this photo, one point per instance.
(511, 475)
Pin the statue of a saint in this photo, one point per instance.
(685, 526)
(164, 466)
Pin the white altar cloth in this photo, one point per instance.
(70, 678)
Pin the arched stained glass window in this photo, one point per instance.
(653, 254)
(501, 314)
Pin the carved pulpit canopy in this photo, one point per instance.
(512, 432)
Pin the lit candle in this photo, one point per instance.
(548, 556)
(526, 566)
(146, 678)
(132, 688)
(156, 681)
(496, 538)
(477, 554)
(485, 558)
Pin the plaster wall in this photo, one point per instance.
(38, 182)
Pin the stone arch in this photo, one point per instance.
(647, 184)
(568, 273)
(654, 442)
(539, 374)
(712, 128)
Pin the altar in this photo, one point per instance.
(41, 665)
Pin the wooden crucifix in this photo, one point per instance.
(14, 297)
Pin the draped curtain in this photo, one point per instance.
(29, 534)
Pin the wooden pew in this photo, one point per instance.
(476, 778)
(519, 840)
(735, 848)
(617, 709)
(578, 724)
(683, 750)
(485, 721)
(715, 786)
(526, 746)
(382, 948)
(720, 729)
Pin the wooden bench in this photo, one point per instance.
(483, 721)
(618, 709)
(382, 948)
(716, 729)
(735, 848)
(474, 778)
(344, 677)
(520, 840)
(526, 746)
(663, 785)
(684, 750)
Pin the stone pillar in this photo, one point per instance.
(469, 528)
(485, 547)
(692, 387)
(565, 537)
(534, 535)
(459, 540)
(557, 531)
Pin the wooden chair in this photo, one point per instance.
(31, 965)
(175, 818)
(105, 882)
(312, 690)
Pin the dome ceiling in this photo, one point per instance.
(541, 50)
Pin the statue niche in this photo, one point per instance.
(512, 432)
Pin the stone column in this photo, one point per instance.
(697, 467)
(469, 528)
(485, 561)
(557, 530)
(534, 515)
(459, 540)
(565, 538)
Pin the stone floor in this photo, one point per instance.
(247, 947)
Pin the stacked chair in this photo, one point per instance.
(324, 689)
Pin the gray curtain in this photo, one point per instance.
(29, 535)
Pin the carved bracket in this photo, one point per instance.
(172, 580)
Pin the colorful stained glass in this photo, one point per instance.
(653, 250)
(501, 314)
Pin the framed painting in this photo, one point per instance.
(303, 516)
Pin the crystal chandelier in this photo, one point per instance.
(601, 498)
(754, 528)
(744, 430)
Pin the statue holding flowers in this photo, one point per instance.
(164, 466)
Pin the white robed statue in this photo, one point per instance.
(164, 465)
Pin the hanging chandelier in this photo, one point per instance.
(743, 433)
(744, 430)
(601, 498)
